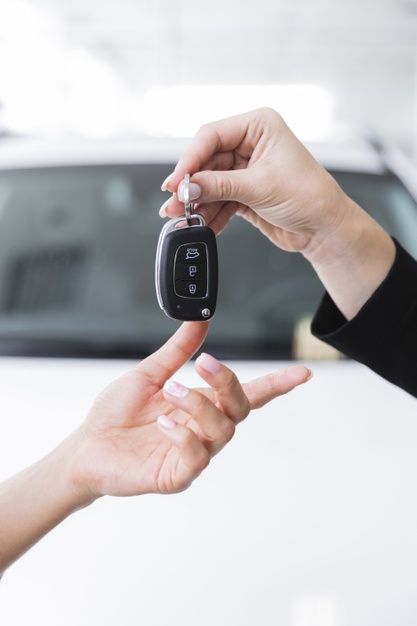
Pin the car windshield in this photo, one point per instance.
(77, 250)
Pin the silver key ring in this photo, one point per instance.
(188, 204)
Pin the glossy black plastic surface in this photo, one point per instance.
(188, 273)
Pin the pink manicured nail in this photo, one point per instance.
(195, 191)
(166, 181)
(166, 422)
(175, 389)
(209, 363)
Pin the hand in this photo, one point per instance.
(147, 435)
(254, 165)
(144, 434)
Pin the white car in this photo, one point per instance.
(307, 518)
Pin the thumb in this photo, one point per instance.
(211, 186)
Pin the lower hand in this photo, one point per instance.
(148, 434)
(144, 434)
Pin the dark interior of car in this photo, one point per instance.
(77, 253)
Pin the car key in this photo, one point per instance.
(186, 269)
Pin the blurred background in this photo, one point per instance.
(164, 67)
(308, 517)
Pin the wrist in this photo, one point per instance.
(73, 491)
(353, 258)
(350, 235)
(339, 222)
(36, 500)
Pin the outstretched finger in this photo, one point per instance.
(264, 389)
(179, 349)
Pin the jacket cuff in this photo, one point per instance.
(380, 318)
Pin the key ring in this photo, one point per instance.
(188, 204)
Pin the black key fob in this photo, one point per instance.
(186, 271)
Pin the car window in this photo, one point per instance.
(77, 250)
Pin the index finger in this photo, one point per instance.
(220, 136)
(179, 349)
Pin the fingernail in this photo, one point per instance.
(209, 363)
(162, 210)
(175, 389)
(164, 185)
(195, 191)
(166, 422)
(310, 374)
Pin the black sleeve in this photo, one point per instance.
(383, 335)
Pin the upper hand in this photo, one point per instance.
(140, 438)
(253, 164)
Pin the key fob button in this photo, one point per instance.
(190, 288)
(192, 253)
(191, 271)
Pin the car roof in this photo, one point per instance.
(23, 153)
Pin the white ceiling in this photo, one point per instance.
(364, 51)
